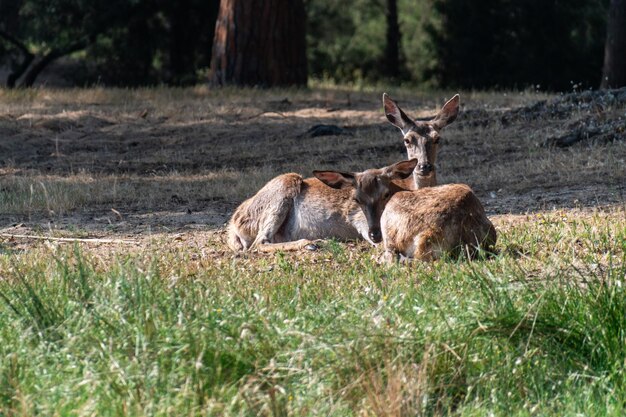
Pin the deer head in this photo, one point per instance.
(371, 189)
(421, 138)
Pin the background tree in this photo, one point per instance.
(260, 43)
(614, 69)
(44, 31)
(346, 40)
(13, 52)
(441, 43)
(121, 42)
(518, 43)
(392, 48)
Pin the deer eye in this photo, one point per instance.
(407, 141)
(386, 195)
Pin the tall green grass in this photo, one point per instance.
(540, 329)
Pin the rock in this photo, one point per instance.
(325, 130)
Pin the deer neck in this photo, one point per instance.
(423, 182)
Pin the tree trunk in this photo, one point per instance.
(259, 43)
(17, 73)
(26, 61)
(392, 49)
(614, 70)
(53, 55)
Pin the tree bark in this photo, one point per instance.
(53, 55)
(19, 71)
(259, 43)
(26, 61)
(614, 70)
(392, 49)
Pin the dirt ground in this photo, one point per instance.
(174, 163)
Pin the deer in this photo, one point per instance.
(422, 224)
(290, 212)
(282, 215)
(421, 139)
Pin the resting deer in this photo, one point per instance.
(421, 139)
(290, 211)
(421, 224)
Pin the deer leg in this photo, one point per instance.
(426, 246)
(272, 221)
(287, 246)
(272, 205)
(389, 257)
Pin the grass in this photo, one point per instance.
(171, 323)
(54, 195)
(64, 151)
(539, 329)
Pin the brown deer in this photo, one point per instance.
(421, 139)
(290, 211)
(424, 223)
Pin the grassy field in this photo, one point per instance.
(157, 317)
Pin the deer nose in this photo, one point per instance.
(376, 235)
(425, 168)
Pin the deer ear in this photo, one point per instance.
(401, 170)
(396, 116)
(448, 113)
(335, 179)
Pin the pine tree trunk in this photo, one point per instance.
(259, 43)
(614, 70)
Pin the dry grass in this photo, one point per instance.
(170, 322)
(191, 155)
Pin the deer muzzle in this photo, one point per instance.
(375, 235)
(424, 169)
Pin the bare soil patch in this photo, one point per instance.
(176, 162)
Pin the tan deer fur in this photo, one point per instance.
(421, 139)
(427, 222)
(290, 211)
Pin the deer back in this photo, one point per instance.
(446, 216)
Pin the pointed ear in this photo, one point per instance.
(335, 179)
(401, 170)
(448, 113)
(396, 116)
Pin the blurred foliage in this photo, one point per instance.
(444, 43)
(124, 42)
(346, 40)
(552, 44)
(161, 42)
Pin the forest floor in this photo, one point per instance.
(137, 163)
(118, 295)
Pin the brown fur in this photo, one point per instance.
(419, 224)
(425, 223)
(274, 214)
(258, 218)
(421, 139)
(294, 211)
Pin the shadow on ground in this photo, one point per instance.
(164, 161)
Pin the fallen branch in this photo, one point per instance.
(66, 239)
